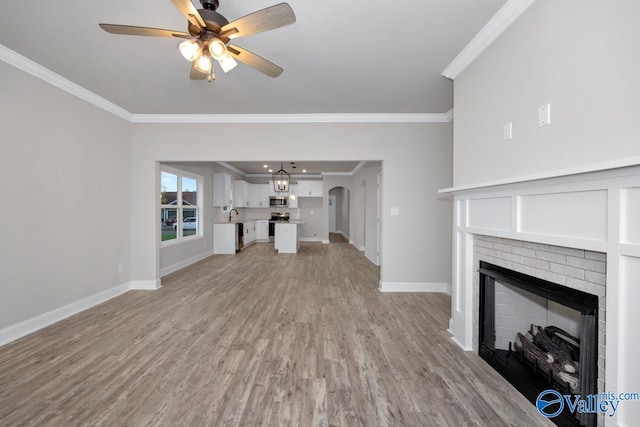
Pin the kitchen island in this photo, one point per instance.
(286, 239)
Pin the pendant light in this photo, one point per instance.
(281, 180)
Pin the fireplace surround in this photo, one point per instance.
(576, 228)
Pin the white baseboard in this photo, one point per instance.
(310, 239)
(145, 285)
(371, 258)
(460, 344)
(185, 263)
(325, 241)
(26, 327)
(415, 287)
(356, 245)
(13, 332)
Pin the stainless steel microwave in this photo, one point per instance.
(278, 201)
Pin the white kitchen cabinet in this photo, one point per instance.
(262, 230)
(224, 238)
(308, 188)
(222, 190)
(259, 196)
(249, 236)
(241, 193)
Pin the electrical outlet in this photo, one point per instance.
(120, 268)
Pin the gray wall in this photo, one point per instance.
(417, 161)
(311, 209)
(65, 169)
(580, 56)
(87, 186)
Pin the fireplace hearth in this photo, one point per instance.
(537, 369)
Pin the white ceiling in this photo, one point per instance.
(339, 57)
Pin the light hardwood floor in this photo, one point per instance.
(258, 339)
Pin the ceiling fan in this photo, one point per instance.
(209, 34)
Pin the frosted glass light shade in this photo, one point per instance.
(218, 49)
(227, 63)
(191, 49)
(204, 64)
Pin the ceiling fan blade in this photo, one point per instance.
(190, 12)
(255, 61)
(263, 20)
(195, 74)
(143, 31)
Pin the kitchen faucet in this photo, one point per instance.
(231, 211)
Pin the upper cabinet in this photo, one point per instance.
(309, 188)
(241, 193)
(222, 190)
(259, 196)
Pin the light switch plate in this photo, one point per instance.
(507, 131)
(395, 211)
(544, 115)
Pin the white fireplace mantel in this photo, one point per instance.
(596, 211)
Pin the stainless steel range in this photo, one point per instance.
(276, 217)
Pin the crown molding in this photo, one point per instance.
(336, 173)
(511, 10)
(295, 118)
(28, 66)
(302, 176)
(359, 166)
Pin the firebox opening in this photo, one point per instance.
(539, 335)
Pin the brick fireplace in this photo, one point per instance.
(578, 269)
(578, 230)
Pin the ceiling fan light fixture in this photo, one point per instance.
(217, 49)
(227, 63)
(191, 49)
(204, 64)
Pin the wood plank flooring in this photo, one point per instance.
(258, 339)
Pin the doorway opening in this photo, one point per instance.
(339, 215)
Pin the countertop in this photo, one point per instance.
(239, 221)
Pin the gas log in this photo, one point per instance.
(544, 361)
(557, 351)
(562, 337)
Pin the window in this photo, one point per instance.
(180, 204)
